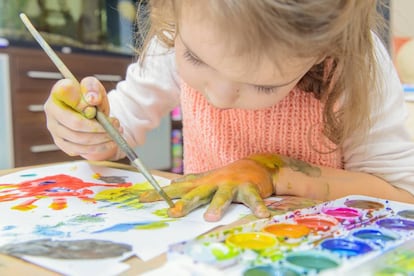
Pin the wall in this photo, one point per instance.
(6, 141)
(156, 152)
(402, 19)
(402, 29)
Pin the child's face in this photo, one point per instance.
(205, 62)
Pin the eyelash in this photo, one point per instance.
(262, 89)
(190, 58)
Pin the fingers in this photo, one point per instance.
(84, 150)
(68, 110)
(221, 196)
(190, 198)
(84, 132)
(174, 190)
(81, 143)
(178, 187)
(190, 201)
(221, 187)
(81, 97)
(66, 95)
(249, 195)
(220, 202)
(76, 135)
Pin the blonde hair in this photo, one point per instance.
(337, 30)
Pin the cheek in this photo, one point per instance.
(251, 99)
(189, 73)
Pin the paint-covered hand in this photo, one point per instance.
(247, 181)
(70, 109)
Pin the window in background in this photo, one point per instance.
(97, 25)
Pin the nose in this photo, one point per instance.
(222, 93)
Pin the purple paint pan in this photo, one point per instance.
(396, 224)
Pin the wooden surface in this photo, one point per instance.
(14, 266)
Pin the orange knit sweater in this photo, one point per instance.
(215, 137)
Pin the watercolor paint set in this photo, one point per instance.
(355, 233)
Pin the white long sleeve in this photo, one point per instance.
(147, 94)
(389, 149)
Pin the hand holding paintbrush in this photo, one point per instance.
(91, 112)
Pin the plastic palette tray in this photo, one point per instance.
(352, 234)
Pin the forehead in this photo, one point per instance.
(219, 50)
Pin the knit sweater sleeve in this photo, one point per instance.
(148, 93)
(388, 151)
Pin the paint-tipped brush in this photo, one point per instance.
(100, 117)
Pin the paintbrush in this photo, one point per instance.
(100, 116)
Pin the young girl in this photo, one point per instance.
(279, 97)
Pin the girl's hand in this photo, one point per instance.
(70, 112)
(246, 181)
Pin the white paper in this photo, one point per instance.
(73, 202)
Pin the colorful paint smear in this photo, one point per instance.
(59, 187)
(284, 204)
(88, 218)
(49, 231)
(162, 213)
(126, 196)
(67, 249)
(28, 175)
(109, 179)
(124, 227)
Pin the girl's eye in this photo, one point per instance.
(265, 89)
(192, 59)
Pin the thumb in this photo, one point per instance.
(94, 95)
(67, 93)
